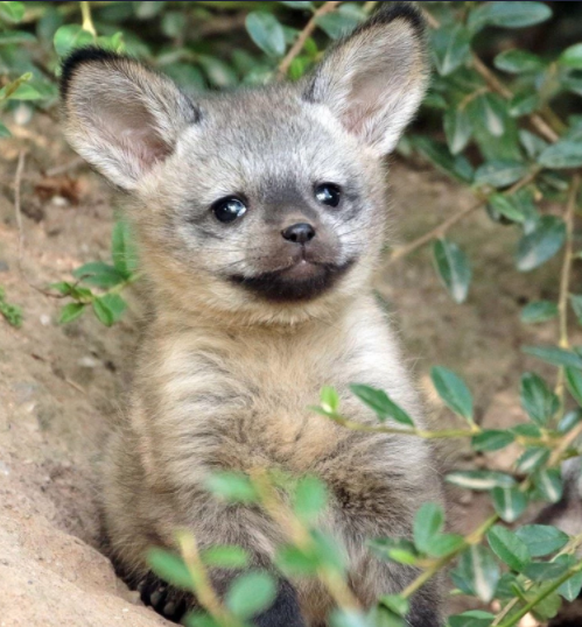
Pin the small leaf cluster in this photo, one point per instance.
(109, 279)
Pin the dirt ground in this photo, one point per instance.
(61, 385)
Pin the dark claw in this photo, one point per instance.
(166, 600)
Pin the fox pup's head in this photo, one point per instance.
(266, 203)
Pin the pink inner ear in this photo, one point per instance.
(132, 129)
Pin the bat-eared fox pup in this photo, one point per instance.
(260, 218)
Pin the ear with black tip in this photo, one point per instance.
(121, 117)
(374, 80)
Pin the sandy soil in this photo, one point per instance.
(61, 385)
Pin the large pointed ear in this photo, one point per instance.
(373, 81)
(121, 117)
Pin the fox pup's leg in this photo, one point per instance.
(173, 604)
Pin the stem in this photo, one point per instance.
(542, 595)
(564, 341)
(567, 265)
(205, 593)
(569, 549)
(440, 230)
(303, 36)
(474, 538)
(419, 433)
(299, 534)
(87, 20)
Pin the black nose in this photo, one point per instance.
(299, 233)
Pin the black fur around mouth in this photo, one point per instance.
(277, 287)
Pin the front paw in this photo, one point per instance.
(166, 600)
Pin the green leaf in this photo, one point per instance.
(574, 383)
(539, 402)
(294, 562)
(71, 312)
(103, 313)
(438, 153)
(25, 91)
(4, 132)
(69, 37)
(554, 355)
(539, 311)
(115, 304)
(518, 61)
(12, 37)
(100, 274)
(576, 302)
(267, 33)
(336, 25)
(563, 154)
(12, 11)
(509, 503)
(500, 173)
(453, 391)
(548, 483)
(458, 129)
(532, 459)
(543, 571)
(170, 568)
(380, 402)
(232, 487)
(298, 5)
(570, 589)
(473, 618)
(453, 268)
(494, 112)
(251, 594)
(397, 604)
(524, 104)
(508, 547)
(450, 47)
(428, 522)
(123, 250)
(507, 207)
(480, 571)
(480, 480)
(542, 539)
(329, 400)
(401, 551)
(541, 244)
(310, 499)
(353, 618)
(492, 440)
(527, 430)
(572, 57)
(225, 557)
(444, 544)
(508, 15)
(569, 421)
(219, 73)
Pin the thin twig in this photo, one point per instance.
(303, 36)
(563, 340)
(87, 20)
(296, 531)
(17, 206)
(442, 229)
(66, 167)
(567, 264)
(205, 593)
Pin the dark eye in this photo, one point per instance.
(328, 194)
(229, 209)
